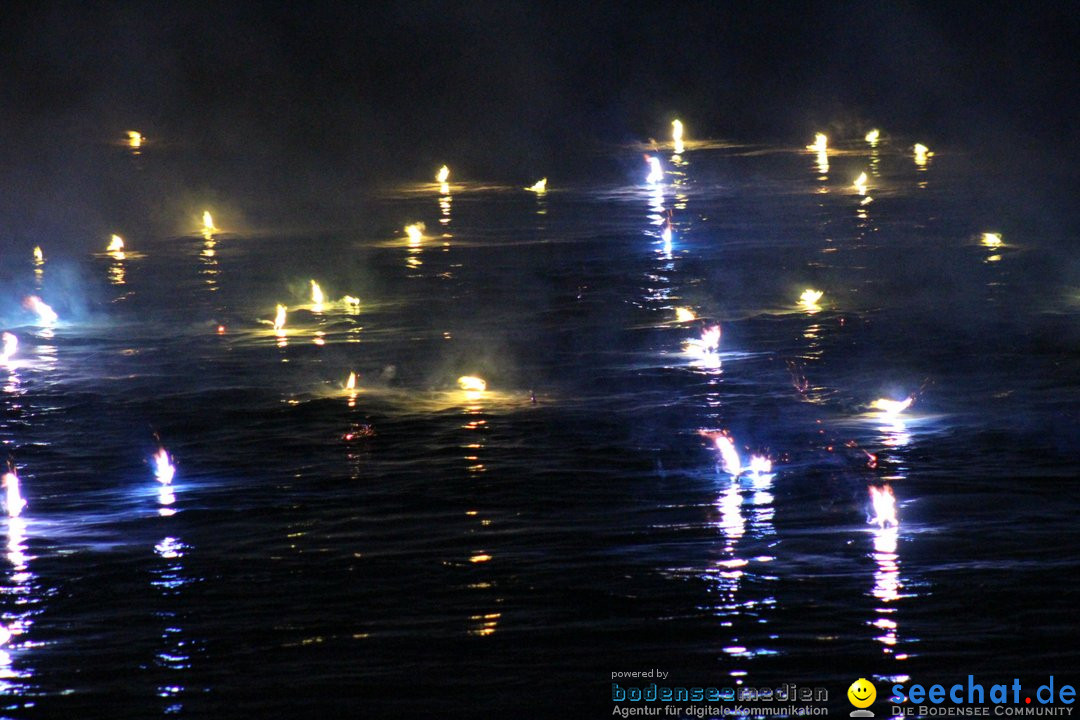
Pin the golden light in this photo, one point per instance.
(8, 347)
(539, 187)
(809, 299)
(683, 314)
(135, 139)
(821, 143)
(471, 383)
(921, 154)
(892, 407)
(884, 503)
(13, 495)
(443, 175)
(39, 257)
(860, 183)
(480, 557)
(116, 244)
(656, 172)
(873, 136)
(208, 222)
(316, 296)
(415, 232)
(350, 384)
(353, 303)
(45, 314)
(279, 320)
(991, 240)
(164, 470)
(677, 136)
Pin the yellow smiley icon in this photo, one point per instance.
(862, 693)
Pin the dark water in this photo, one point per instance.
(484, 555)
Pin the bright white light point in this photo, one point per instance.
(809, 298)
(921, 154)
(684, 314)
(821, 143)
(135, 139)
(872, 137)
(9, 346)
(760, 465)
(208, 221)
(39, 257)
(884, 506)
(116, 244)
(860, 183)
(729, 456)
(415, 233)
(443, 175)
(45, 314)
(471, 383)
(892, 407)
(656, 172)
(163, 467)
(13, 495)
(350, 384)
(991, 240)
(539, 187)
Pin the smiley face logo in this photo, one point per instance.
(862, 693)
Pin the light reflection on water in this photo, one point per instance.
(449, 519)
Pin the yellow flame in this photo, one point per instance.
(135, 139)
(116, 244)
(683, 314)
(821, 143)
(860, 183)
(809, 299)
(539, 187)
(350, 301)
(443, 175)
(415, 233)
(471, 383)
(921, 154)
(39, 257)
(873, 136)
(350, 384)
(208, 222)
(892, 407)
(279, 319)
(677, 136)
(316, 296)
(163, 467)
(991, 240)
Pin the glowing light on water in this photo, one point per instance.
(208, 223)
(415, 233)
(922, 153)
(809, 300)
(316, 296)
(860, 183)
(350, 302)
(892, 407)
(350, 384)
(46, 315)
(539, 187)
(471, 383)
(821, 143)
(656, 172)
(279, 320)
(683, 314)
(443, 175)
(730, 461)
(665, 237)
(884, 503)
(991, 240)
(39, 257)
(677, 136)
(872, 137)
(164, 470)
(135, 139)
(707, 344)
(9, 345)
(759, 465)
(14, 502)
